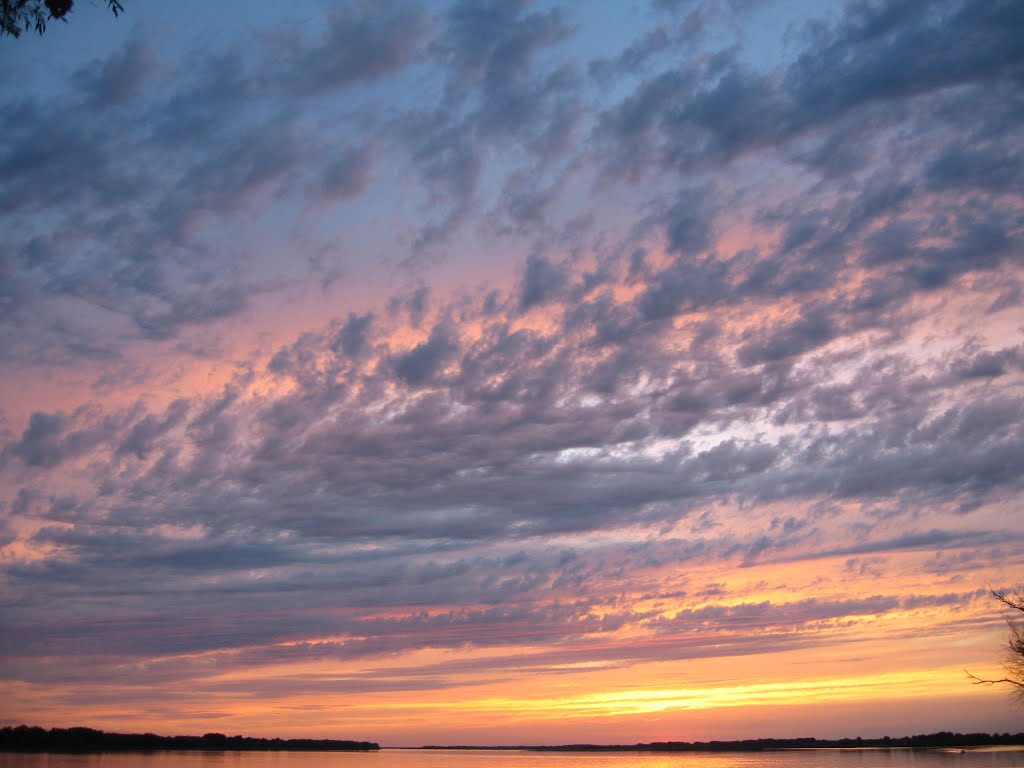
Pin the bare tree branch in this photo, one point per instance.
(1013, 653)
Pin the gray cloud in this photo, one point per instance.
(119, 77)
(495, 41)
(423, 362)
(348, 175)
(706, 315)
(351, 338)
(876, 53)
(361, 43)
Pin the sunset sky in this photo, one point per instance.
(497, 372)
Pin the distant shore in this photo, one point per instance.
(942, 739)
(25, 738)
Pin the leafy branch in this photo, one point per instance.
(18, 16)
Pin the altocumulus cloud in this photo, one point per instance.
(604, 323)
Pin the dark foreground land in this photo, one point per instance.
(924, 741)
(34, 739)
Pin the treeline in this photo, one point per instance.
(923, 741)
(25, 738)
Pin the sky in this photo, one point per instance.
(497, 372)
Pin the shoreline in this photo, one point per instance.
(940, 740)
(25, 738)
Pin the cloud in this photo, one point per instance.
(541, 281)
(52, 438)
(40, 443)
(875, 53)
(894, 51)
(793, 338)
(120, 76)
(347, 176)
(421, 364)
(146, 431)
(624, 346)
(495, 41)
(352, 337)
(360, 44)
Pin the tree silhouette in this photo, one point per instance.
(17, 16)
(1013, 662)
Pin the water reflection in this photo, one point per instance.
(396, 758)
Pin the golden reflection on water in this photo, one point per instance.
(398, 758)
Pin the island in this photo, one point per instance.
(24, 738)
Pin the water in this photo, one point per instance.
(397, 758)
